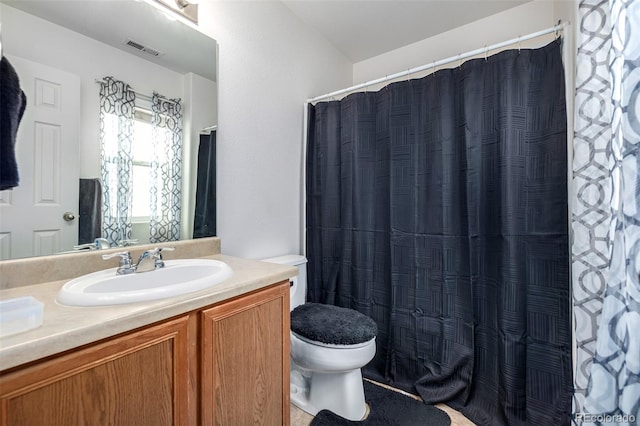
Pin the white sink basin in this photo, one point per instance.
(178, 277)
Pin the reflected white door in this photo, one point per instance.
(32, 215)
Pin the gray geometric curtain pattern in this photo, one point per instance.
(606, 214)
(166, 169)
(117, 103)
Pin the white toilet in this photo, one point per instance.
(329, 346)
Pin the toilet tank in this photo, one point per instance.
(298, 288)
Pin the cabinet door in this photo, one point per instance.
(245, 360)
(139, 378)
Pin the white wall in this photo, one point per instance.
(40, 41)
(269, 63)
(520, 20)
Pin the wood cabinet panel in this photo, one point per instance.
(139, 378)
(245, 360)
(223, 365)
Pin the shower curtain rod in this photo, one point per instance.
(141, 95)
(208, 129)
(559, 27)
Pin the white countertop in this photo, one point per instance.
(68, 327)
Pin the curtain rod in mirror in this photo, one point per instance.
(141, 95)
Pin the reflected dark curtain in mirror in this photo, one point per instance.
(438, 207)
(204, 224)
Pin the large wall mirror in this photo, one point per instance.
(61, 50)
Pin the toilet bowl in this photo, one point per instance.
(328, 358)
(329, 346)
(328, 377)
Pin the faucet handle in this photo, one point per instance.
(87, 246)
(156, 254)
(125, 262)
(160, 249)
(123, 255)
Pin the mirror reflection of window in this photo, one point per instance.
(142, 153)
(87, 40)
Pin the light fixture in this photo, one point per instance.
(185, 8)
(184, 3)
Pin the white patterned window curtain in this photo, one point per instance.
(166, 169)
(606, 214)
(117, 103)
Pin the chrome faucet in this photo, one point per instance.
(102, 243)
(150, 260)
(98, 244)
(127, 243)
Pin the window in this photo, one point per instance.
(142, 155)
(141, 162)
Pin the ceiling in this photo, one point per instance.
(362, 29)
(180, 47)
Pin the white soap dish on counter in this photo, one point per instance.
(19, 315)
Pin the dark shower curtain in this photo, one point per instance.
(438, 206)
(204, 223)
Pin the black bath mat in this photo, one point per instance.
(388, 408)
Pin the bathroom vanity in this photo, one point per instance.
(212, 357)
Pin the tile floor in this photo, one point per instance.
(300, 418)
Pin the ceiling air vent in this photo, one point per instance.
(142, 48)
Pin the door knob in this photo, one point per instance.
(68, 216)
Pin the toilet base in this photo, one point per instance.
(341, 393)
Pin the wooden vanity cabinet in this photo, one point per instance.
(134, 379)
(245, 360)
(227, 364)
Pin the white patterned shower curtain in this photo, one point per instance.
(606, 214)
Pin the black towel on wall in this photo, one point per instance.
(12, 104)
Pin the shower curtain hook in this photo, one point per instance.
(486, 51)
(433, 73)
(558, 29)
(459, 60)
(519, 43)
